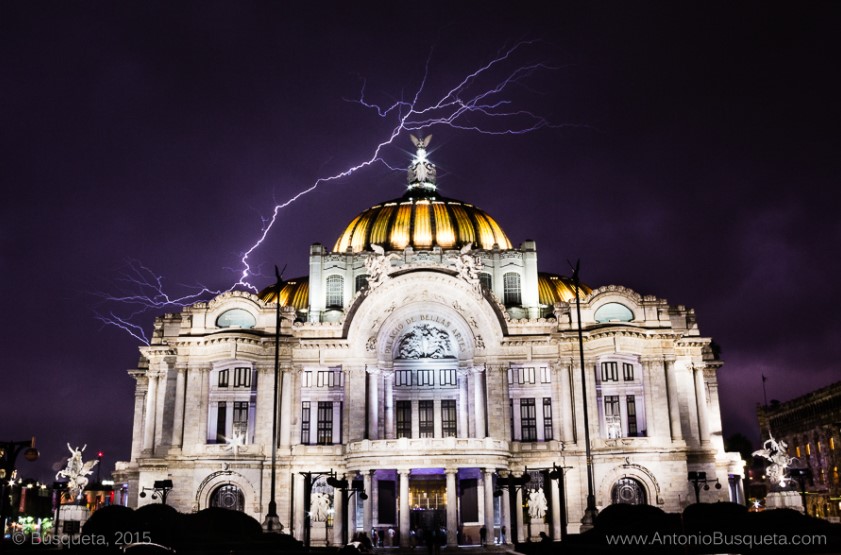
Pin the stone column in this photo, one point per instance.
(567, 431)
(701, 403)
(388, 386)
(298, 507)
(373, 404)
(674, 407)
(339, 522)
(368, 507)
(463, 430)
(452, 508)
(178, 417)
(489, 503)
(287, 411)
(151, 406)
(555, 497)
(140, 390)
(505, 506)
(648, 397)
(479, 402)
(518, 515)
(506, 407)
(404, 508)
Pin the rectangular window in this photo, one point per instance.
(404, 419)
(610, 372)
(528, 420)
(305, 422)
(631, 403)
(627, 372)
(242, 377)
(241, 418)
(447, 377)
(221, 422)
(612, 417)
(403, 377)
(223, 378)
(426, 418)
(306, 378)
(426, 377)
(525, 375)
(324, 432)
(448, 418)
(511, 413)
(329, 378)
(545, 375)
(547, 419)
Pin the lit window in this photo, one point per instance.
(808, 449)
(329, 378)
(610, 372)
(447, 377)
(325, 423)
(522, 375)
(241, 418)
(511, 289)
(614, 312)
(306, 378)
(448, 418)
(547, 419)
(223, 378)
(612, 416)
(426, 418)
(361, 282)
(426, 377)
(528, 420)
(797, 451)
(545, 375)
(404, 419)
(818, 446)
(403, 377)
(242, 377)
(627, 372)
(305, 422)
(335, 291)
(832, 444)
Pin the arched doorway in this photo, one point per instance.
(628, 491)
(228, 496)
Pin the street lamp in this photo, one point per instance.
(512, 483)
(590, 512)
(347, 490)
(311, 478)
(699, 477)
(801, 475)
(272, 521)
(160, 489)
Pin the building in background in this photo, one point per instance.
(423, 358)
(810, 426)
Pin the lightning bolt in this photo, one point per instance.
(466, 106)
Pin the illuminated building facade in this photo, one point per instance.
(810, 426)
(424, 357)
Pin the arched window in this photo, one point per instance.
(486, 281)
(511, 291)
(335, 291)
(614, 312)
(361, 281)
(628, 491)
(236, 317)
(228, 497)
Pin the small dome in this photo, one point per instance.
(422, 219)
(295, 292)
(552, 288)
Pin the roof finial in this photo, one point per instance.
(421, 170)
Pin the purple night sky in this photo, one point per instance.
(701, 166)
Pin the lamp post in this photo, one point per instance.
(512, 483)
(310, 478)
(557, 473)
(347, 490)
(699, 477)
(590, 512)
(272, 521)
(160, 490)
(801, 475)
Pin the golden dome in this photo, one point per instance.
(552, 288)
(295, 292)
(422, 220)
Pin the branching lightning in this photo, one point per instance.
(466, 106)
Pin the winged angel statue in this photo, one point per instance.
(776, 453)
(76, 471)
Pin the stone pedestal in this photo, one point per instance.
(784, 500)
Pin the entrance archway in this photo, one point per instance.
(628, 491)
(228, 496)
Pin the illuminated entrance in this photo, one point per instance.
(428, 504)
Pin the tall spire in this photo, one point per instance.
(421, 171)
